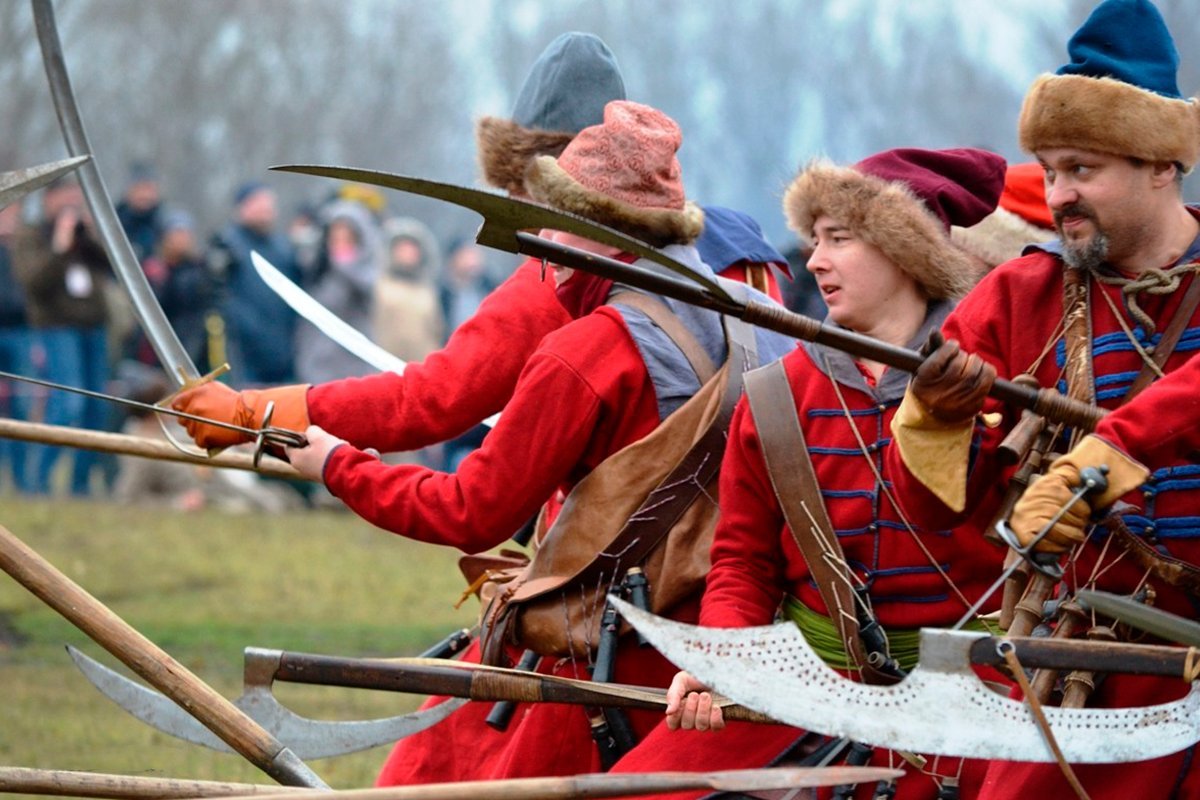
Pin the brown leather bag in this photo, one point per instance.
(652, 505)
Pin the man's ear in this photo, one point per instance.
(1163, 173)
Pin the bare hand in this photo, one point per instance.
(690, 706)
(63, 237)
(310, 461)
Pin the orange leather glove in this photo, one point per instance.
(951, 384)
(1049, 493)
(218, 402)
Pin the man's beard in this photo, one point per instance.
(1090, 254)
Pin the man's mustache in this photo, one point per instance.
(1072, 210)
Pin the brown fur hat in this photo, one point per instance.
(903, 202)
(1118, 93)
(506, 149)
(565, 91)
(1109, 116)
(623, 174)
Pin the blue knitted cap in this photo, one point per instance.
(1127, 40)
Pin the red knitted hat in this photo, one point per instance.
(1025, 194)
(622, 173)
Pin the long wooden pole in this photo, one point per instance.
(127, 445)
(65, 783)
(152, 663)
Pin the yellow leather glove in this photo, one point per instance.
(219, 402)
(1051, 491)
(934, 451)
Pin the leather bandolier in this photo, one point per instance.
(795, 484)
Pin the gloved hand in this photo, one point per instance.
(219, 402)
(1050, 492)
(952, 385)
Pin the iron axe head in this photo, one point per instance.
(940, 708)
(307, 738)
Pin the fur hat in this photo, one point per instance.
(903, 202)
(1022, 219)
(623, 174)
(566, 91)
(1118, 93)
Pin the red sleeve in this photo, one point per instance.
(1162, 424)
(748, 579)
(974, 325)
(569, 390)
(457, 387)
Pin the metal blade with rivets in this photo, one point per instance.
(940, 708)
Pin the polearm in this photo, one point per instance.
(506, 223)
(96, 784)
(477, 682)
(152, 663)
(125, 444)
(1044, 402)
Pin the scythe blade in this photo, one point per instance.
(940, 708)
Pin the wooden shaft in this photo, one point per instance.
(124, 444)
(615, 785)
(1067, 654)
(64, 783)
(152, 663)
(1080, 683)
(1029, 612)
(477, 683)
(1070, 621)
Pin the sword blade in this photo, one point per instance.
(343, 333)
(1161, 623)
(18, 183)
(150, 407)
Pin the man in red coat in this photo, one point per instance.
(591, 388)
(1093, 315)
(886, 267)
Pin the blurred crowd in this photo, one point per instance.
(65, 318)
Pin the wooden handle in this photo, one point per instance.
(124, 444)
(65, 783)
(152, 663)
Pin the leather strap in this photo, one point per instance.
(676, 331)
(1077, 335)
(1170, 338)
(795, 483)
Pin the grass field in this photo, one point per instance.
(203, 586)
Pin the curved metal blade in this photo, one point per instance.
(307, 738)
(18, 183)
(940, 708)
(503, 216)
(166, 344)
(1171, 627)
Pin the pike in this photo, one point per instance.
(18, 183)
(940, 708)
(348, 337)
(506, 223)
(319, 739)
(93, 784)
